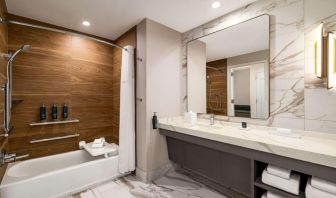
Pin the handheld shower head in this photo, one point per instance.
(8, 88)
(23, 48)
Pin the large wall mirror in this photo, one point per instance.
(228, 71)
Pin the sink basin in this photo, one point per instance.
(205, 126)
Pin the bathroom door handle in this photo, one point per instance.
(139, 99)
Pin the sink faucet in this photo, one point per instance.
(212, 119)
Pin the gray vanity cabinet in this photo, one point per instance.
(233, 170)
(235, 173)
(230, 173)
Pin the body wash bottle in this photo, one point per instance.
(43, 112)
(54, 112)
(65, 111)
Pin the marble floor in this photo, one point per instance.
(174, 184)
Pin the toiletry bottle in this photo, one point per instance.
(54, 112)
(65, 111)
(43, 112)
(155, 121)
(244, 125)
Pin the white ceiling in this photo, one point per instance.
(111, 18)
(244, 38)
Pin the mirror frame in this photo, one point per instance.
(269, 65)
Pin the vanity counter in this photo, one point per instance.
(317, 148)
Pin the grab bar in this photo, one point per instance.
(53, 138)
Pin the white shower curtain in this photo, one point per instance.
(127, 112)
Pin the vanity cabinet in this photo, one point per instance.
(234, 170)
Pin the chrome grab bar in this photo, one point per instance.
(53, 138)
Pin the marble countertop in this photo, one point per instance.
(318, 148)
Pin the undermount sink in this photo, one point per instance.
(205, 126)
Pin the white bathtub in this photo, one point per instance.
(57, 175)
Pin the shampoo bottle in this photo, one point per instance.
(65, 111)
(54, 112)
(43, 112)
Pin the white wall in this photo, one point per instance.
(141, 137)
(161, 59)
(197, 76)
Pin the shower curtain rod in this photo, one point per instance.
(61, 31)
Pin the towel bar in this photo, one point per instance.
(53, 138)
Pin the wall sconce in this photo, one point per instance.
(318, 47)
(331, 62)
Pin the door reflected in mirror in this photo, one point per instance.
(228, 71)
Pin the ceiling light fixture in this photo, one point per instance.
(216, 4)
(86, 23)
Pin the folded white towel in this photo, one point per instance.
(277, 171)
(312, 192)
(264, 196)
(290, 185)
(273, 195)
(99, 145)
(323, 185)
(98, 141)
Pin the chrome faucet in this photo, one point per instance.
(212, 119)
(6, 157)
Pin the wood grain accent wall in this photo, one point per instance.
(129, 38)
(218, 87)
(3, 62)
(62, 68)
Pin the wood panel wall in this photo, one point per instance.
(3, 62)
(62, 68)
(129, 38)
(218, 79)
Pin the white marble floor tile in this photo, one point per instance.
(172, 185)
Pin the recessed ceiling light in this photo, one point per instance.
(86, 23)
(216, 4)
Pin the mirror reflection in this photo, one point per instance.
(228, 71)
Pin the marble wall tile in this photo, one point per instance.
(286, 55)
(320, 103)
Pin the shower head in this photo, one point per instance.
(23, 48)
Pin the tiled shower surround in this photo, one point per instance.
(288, 95)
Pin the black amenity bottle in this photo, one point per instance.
(43, 112)
(54, 112)
(65, 111)
(155, 121)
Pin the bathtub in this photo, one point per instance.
(57, 175)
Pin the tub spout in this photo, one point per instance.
(7, 157)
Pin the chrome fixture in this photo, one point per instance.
(64, 31)
(7, 88)
(212, 119)
(6, 157)
(54, 138)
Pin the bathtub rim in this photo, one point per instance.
(55, 171)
